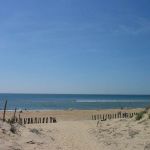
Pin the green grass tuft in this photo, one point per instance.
(140, 115)
(147, 108)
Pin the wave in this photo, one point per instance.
(111, 101)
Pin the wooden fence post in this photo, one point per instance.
(35, 120)
(51, 119)
(43, 120)
(110, 116)
(28, 120)
(4, 110)
(54, 120)
(14, 117)
(46, 119)
(25, 120)
(31, 120)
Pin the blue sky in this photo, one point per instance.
(75, 46)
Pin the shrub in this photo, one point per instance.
(13, 129)
(140, 115)
(11, 121)
(35, 131)
(147, 107)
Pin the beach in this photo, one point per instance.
(74, 75)
(66, 115)
(75, 130)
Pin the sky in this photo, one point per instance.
(75, 46)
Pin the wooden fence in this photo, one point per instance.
(34, 120)
(120, 114)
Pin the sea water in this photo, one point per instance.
(72, 101)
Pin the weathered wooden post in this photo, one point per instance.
(54, 120)
(107, 116)
(100, 116)
(123, 114)
(14, 117)
(35, 120)
(25, 120)
(43, 120)
(20, 119)
(113, 116)
(119, 114)
(5, 106)
(51, 119)
(28, 120)
(46, 119)
(94, 117)
(103, 117)
(110, 116)
(31, 120)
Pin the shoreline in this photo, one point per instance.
(67, 115)
(71, 109)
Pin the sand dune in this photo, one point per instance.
(115, 134)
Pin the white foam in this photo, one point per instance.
(108, 101)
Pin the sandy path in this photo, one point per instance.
(71, 135)
(74, 135)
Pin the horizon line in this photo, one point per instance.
(69, 93)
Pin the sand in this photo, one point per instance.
(78, 133)
(67, 115)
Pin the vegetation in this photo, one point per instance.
(35, 131)
(11, 121)
(13, 129)
(141, 114)
(147, 108)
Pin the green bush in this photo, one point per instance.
(13, 129)
(35, 131)
(140, 115)
(11, 121)
(147, 107)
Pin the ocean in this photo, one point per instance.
(72, 101)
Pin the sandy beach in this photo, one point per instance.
(74, 130)
(66, 115)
